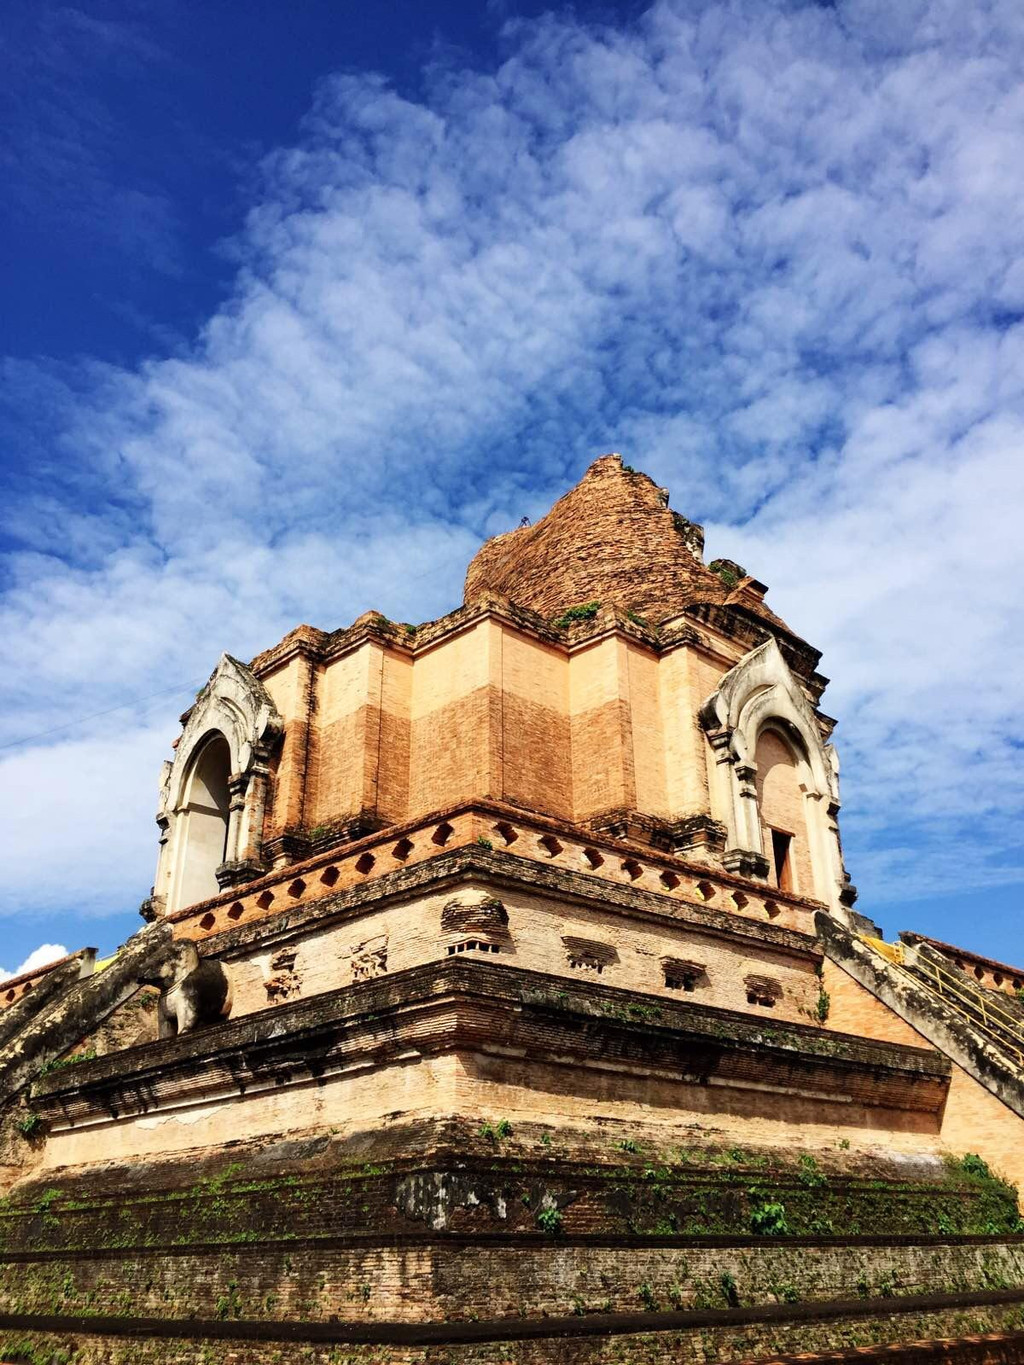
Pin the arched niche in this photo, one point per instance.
(205, 817)
(758, 719)
(780, 779)
(214, 791)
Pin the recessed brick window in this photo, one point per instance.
(330, 876)
(585, 955)
(762, 991)
(632, 869)
(782, 859)
(592, 858)
(771, 909)
(669, 881)
(236, 910)
(505, 832)
(364, 863)
(402, 850)
(266, 900)
(739, 900)
(705, 891)
(208, 921)
(296, 889)
(442, 834)
(681, 975)
(550, 845)
(680, 983)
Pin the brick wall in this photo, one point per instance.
(974, 1120)
(537, 925)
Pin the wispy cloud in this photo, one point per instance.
(772, 252)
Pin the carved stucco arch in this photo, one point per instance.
(761, 693)
(235, 705)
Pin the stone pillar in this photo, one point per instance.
(242, 853)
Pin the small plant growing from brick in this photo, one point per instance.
(31, 1126)
(549, 1220)
(727, 1283)
(972, 1164)
(484, 843)
(823, 1006)
(496, 1132)
(810, 1173)
(646, 1296)
(229, 1305)
(585, 611)
(769, 1220)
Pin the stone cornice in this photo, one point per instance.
(536, 819)
(507, 871)
(410, 640)
(467, 1005)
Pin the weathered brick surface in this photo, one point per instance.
(430, 1283)
(974, 1119)
(972, 1335)
(411, 933)
(494, 701)
(454, 1037)
(611, 538)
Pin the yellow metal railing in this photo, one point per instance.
(1001, 1027)
(997, 1022)
(892, 951)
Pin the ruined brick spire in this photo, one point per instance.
(611, 539)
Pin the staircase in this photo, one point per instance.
(981, 1008)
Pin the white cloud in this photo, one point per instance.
(40, 957)
(771, 252)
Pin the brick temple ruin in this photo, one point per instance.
(502, 998)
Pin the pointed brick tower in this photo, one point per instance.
(501, 998)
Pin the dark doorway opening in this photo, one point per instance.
(782, 845)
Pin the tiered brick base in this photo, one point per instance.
(472, 1242)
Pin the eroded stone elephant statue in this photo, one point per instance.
(193, 991)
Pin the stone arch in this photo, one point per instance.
(232, 725)
(760, 696)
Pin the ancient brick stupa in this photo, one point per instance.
(502, 998)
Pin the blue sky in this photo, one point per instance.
(301, 302)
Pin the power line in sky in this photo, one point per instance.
(81, 720)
